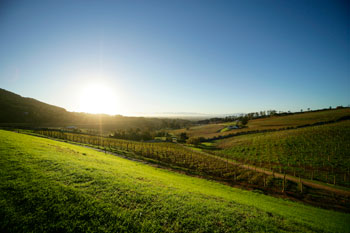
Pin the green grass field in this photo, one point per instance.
(50, 186)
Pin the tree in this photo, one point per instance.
(244, 120)
(183, 137)
(194, 141)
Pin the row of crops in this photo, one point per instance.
(198, 163)
(318, 153)
(174, 155)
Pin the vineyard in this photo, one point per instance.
(319, 153)
(204, 164)
(52, 186)
(166, 153)
(212, 131)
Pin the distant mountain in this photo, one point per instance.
(16, 110)
(185, 115)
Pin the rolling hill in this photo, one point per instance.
(19, 111)
(210, 131)
(50, 186)
(318, 152)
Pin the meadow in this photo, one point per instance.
(55, 186)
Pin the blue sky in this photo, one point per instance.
(178, 56)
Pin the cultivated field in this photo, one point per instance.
(193, 161)
(318, 152)
(268, 123)
(54, 186)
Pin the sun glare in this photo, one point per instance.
(98, 98)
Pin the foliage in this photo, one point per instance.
(182, 137)
(194, 141)
(131, 134)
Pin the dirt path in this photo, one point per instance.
(305, 182)
(294, 179)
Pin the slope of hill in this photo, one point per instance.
(318, 152)
(268, 123)
(16, 110)
(54, 186)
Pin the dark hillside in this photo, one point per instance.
(16, 110)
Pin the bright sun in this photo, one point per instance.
(98, 98)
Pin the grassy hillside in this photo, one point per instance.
(16, 111)
(269, 123)
(319, 152)
(196, 162)
(53, 186)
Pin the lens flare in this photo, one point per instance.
(98, 98)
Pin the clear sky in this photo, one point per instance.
(177, 56)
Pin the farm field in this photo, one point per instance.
(54, 186)
(194, 161)
(168, 154)
(269, 123)
(174, 116)
(319, 152)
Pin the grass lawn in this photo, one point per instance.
(50, 186)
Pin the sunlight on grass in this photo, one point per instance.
(76, 189)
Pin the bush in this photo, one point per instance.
(194, 141)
